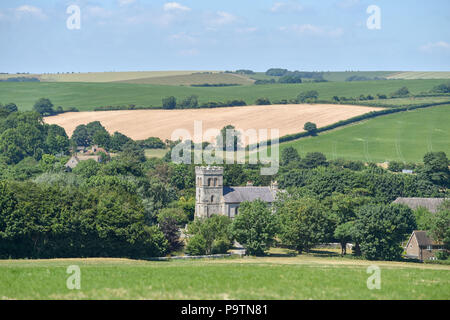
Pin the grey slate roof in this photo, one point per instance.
(241, 194)
(431, 204)
(423, 239)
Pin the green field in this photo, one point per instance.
(303, 277)
(195, 78)
(87, 96)
(404, 136)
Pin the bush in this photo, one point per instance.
(169, 103)
(442, 255)
(262, 102)
(221, 246)
(311, 95)
(196, 245)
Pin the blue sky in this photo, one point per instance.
(128, 35)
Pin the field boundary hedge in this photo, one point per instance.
(369, 115)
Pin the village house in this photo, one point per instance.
(212, 197)
(420, 246)
(83, 154)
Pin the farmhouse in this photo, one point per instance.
(82, 155)
(213, 198)
(421, 247)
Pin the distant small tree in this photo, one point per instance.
(308, 96)
(311, 128)
(262, 101)
(189, 102)
(169, 102)
(314, 160)
(44, 107)
(402, 92)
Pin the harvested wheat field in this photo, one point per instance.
(142, 124)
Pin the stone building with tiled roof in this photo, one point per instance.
(214, 198)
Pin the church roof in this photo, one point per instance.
(241, 194)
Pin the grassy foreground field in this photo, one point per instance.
(301, 277)
(405, 136)
(88, 96)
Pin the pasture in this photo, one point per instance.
(88, 96)
(307, 276)
(142, 124)
(195, 79)
(404, 136)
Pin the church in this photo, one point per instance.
(212, 197)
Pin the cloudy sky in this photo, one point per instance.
(127, 35)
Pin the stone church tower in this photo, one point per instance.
(209, 191)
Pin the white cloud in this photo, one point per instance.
(30, 10)
(286, 7)
(309, 29)
(183, 37)
(98, 12)
(123, 3)
(175, 6)
(436, 46)
(222, 18)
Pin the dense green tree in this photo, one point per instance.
(308, 96)
(436, 169)
(380, 229)
(311, 128)
(169, 102)
(81, 136)
(44, 107)
(304, 223)
(289, 155)
(254, 227)
(207, 231)
(314, 160)
(118, 140)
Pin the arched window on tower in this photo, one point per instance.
(215, 182)
(212, 199)
(209, 182)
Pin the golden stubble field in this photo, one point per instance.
(142, 124)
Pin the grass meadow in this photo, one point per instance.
(88, 96)
(307, 276)
(404, 136)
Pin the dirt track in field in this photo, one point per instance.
(142, 124)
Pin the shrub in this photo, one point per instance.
(262, 101)
(196, 245)
(221, 246)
